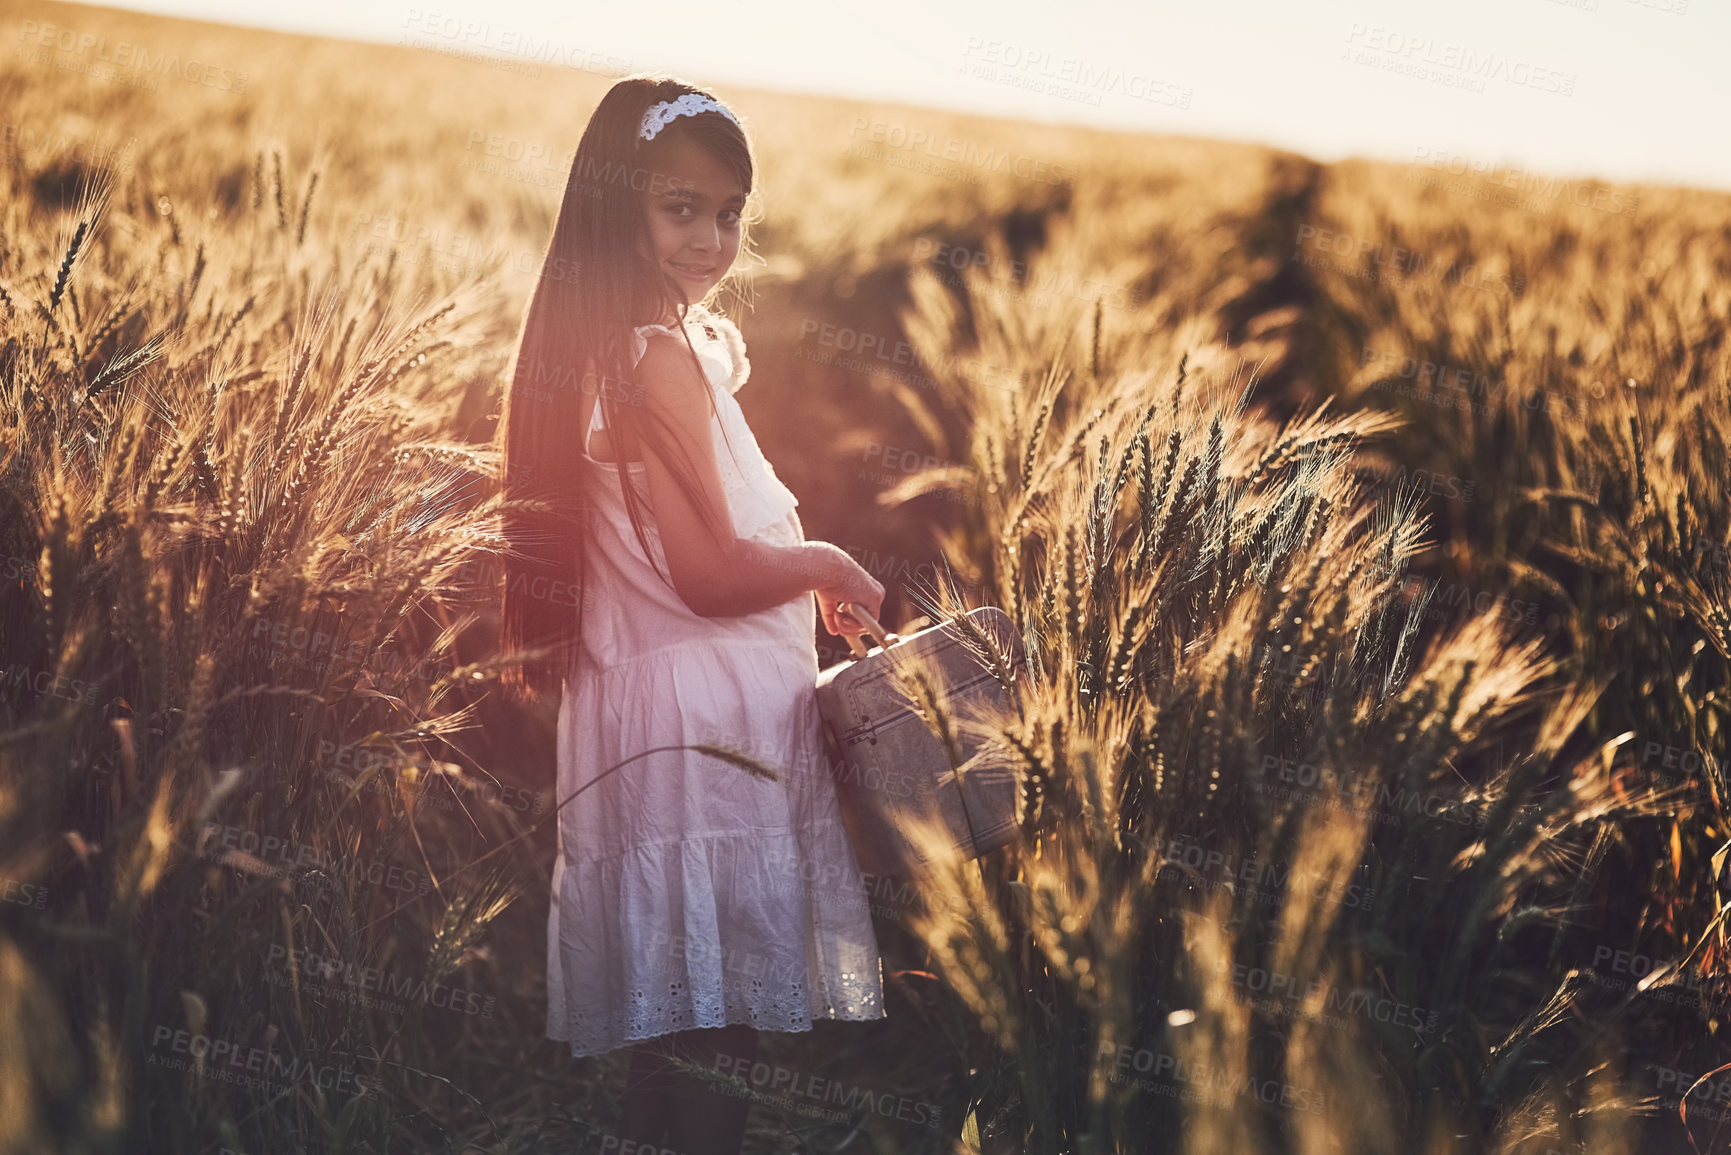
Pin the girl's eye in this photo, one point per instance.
(729, 216)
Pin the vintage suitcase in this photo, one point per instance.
(889, 767)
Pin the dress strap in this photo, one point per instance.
(595, 423)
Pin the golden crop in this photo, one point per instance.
(1368, 525)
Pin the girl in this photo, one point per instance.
(693, 903)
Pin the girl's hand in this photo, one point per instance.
(850, 583)
(838, 623)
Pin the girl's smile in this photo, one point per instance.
(695, 274)
(693, 208)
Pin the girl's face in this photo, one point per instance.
(693, 205)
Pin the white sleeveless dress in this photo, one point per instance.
(686, 892)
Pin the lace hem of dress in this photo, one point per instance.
(648, 1016)
(712, 965)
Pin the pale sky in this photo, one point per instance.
(1633, 90)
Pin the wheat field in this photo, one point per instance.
(1367, 525)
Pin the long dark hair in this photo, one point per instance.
(595, 286)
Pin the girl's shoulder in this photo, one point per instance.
(706, 328)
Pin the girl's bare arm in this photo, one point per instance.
(716, 575)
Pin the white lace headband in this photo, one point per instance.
(662, 114)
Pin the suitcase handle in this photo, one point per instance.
(863, 616)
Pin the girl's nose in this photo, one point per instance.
(707, 238)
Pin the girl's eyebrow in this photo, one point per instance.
(691, 194)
